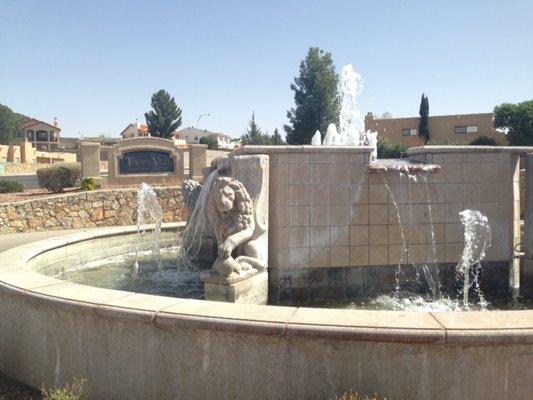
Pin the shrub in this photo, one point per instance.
(387, 149)
(211, 141)
(484, 141)
(88, 184)
(11, 187)
(76, 391)
(59, 176)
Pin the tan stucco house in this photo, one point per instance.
(41, 135)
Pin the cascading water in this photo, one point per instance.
(149, 211)
(197, 228)
(478, 238)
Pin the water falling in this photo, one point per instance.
(197, 228)
(477, 239)
(149, 211)
(434, 273)
(351, 122)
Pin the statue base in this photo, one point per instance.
(252, 289)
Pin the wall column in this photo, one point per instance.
(90, 159)
(526, 272)
(197, 160)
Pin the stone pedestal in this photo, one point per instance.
(90, 159)
(197, 160)
(250, 290)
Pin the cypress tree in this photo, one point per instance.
(316, 97)
(165, 117)
(423, 124)
(276, 138)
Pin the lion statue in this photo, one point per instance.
(231, 213)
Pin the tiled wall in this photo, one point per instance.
(328, 211)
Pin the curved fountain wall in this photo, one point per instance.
(132, 345)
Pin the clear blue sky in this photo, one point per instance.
(95, 64)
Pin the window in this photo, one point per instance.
(29, 134)
(466, 129)
(42, 136)
(410, 132)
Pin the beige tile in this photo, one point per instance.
(279, 237)
(397, 254)
(379, 254)
(359, 256)
(279, 194)
(298, 158)
(319, 236)
(299, 237)
(299, 215)
(299, 173)
(339, 158)
(491, 210)
(319, 216)
(436, 192)
(283, 173)
(472, 192)
(339, 256)
(339, 236)
(279, 216)
(453, 233)
(284, 258)
(359, 214)
(437, 213)
(319, 173)
(471, 158)
(358, 174)
(358, 194)
(395, 234)
(378, 214)
(339, 215)
(452, 252)
(338, 194)
(319, 194)
(417, 253)
(299, 194)
(453, 158)
(437, 158)
(320, 257)
(357, 159)
(471, 172)
(378, 194)
(451, 212)
(453, 193)
(453, 173)
(359, 235)
(283, 159)
(338, 173)
(299, 257)
(319, 158)
(439, 232)
(490, 172)
(417, 233)
(379, 234)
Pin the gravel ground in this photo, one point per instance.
(12, 390)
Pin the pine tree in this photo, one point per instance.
(276, 138)
(165, 117)
(254, 134)
(316, 97)
(423, 124)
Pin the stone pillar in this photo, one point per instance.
(90, 159)
(526, 272)
(26, 152)
(197, 160)
(253, 172)
(181, 163)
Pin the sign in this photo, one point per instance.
(146, 162)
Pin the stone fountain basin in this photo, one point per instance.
(132, 345)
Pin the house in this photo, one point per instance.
(452, 129)
(135, 130)
(41, 135)
(193, 135)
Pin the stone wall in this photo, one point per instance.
(84, 210)
(23, 168)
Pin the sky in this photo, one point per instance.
(95, 64)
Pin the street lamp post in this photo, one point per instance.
(198, 122)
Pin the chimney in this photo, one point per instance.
(55, 122)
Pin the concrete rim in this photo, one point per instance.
(473, 328)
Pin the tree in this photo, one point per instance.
(254, 135)
(211, 141)
(316, 97)
(276, 138)
(165, 117)
(9, 124)
(517, 121)
(386, 115)
(423, 124)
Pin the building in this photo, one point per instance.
(193, 135)
(41, 135)
(135, 130)
(452, 129)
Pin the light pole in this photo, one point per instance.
(198, 123)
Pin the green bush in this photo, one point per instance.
(356, 396)
(76, 391)
(59, 176)
(211, 141)
(11, 187)
(484, 141)
(88, 183)
(387, 149)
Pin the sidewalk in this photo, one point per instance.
(9, 240)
